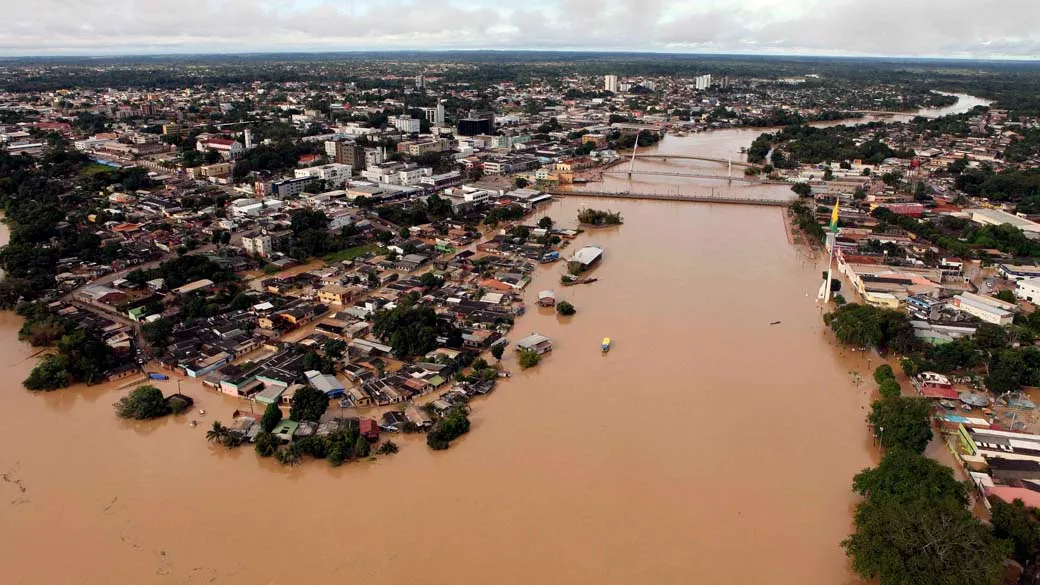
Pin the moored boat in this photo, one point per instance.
(605, 346)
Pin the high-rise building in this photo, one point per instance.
(435, 115)
(477, 123)
(702, 82)
(346, 153)
(247, 137)
(420, 81)
(610, 83)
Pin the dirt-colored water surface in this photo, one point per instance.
(707, 447)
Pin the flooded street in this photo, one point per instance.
(708, 446)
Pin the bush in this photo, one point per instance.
(272, 416)
(387, 448)
(49, 374)
(143, 403)
(883, 372)
(454, 424)
(288, 455)
(566, 309)
(178, 405)
(528, 359)
(889, 388)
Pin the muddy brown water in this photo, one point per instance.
(708, 446)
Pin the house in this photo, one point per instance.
(100, 294)
(226, 147)
(286, 429)
(336, 295)
(393, 421)
(369, 430)
(417, 417)
(546, 298)
(535, 342)
(328, 384)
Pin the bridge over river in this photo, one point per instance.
(675, 197)
(741, 179)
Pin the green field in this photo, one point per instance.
(351, 253)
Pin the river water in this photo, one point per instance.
(708, 446)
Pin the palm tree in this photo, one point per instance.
(217, 433)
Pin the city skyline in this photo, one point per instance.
(885, 28)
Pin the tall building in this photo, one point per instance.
(406, 124)
(435, 116)
(247, 136)
(702, 82)
(610, 83)
(477, 123)
(420, 81)
(346, 153)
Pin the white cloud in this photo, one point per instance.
(954, 28)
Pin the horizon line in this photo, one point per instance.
(301, 52)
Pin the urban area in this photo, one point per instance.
(347, 250)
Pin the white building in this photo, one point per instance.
(247, 207)
(1029, 290)
(610, 83)
(374, 156)
(702, 82)
(334, 174)
(997, 217)
(988, 309)
(225, 146)
(406, 124)
(257, 244)
(435, 116)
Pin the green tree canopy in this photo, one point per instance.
(308, 404)
(143, 402)
(908, 475)
(902, 423)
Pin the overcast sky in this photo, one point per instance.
(934, 28)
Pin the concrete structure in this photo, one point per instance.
(290, 187)
(346, 153)
(406, 124)
(257, 244)
(535, 342)
(334, 174)
(1029, 290)
(997, 217)
(435, 115)
(610, 83)
(987, 309)
(1018, 272)
(226, 147)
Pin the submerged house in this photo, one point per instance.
(535, 342)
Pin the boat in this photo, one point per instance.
(605, 346)
(775, 323)
(157, 376)
(947, 404)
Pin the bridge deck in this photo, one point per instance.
(675, 197)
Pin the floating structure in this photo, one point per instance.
(605, 346)
(586, 258)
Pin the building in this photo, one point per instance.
(1018, 272)
(702, 82)
(535, 342)
(587, 256)
(435, 115)
(257, 244)
(420, 81)
(247, 136)
(997, 217)
(987, 309)
(476, 124)
(328, 384)
(1029, 290)
(225, 146)
(287, 188)
(334, 174)
(346, 153)
(406, 124)
(610, 83)
(336, 295)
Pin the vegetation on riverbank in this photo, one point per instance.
(451, 426)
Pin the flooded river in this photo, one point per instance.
(708, 446)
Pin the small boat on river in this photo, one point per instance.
(605, 346)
